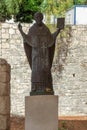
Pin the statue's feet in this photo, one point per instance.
(38, 89)
(49, 90)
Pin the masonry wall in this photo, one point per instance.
(70, 80)
(69, 68)
(4, 95)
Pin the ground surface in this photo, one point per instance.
(17, 123)
(65, 123)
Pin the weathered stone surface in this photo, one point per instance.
(5, 36)
(4, 95)
(4, 105)
(4, 68)
(11, 31)
(4, 122)
(6, 46)
(4, 89)
(4, 77)
(3, 61)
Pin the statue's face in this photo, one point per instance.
(38, 18)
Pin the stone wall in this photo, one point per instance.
(69, 68)
(4, 95)
(11, 49)
(70, 80)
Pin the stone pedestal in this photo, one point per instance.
(4, 95)
(41, 112)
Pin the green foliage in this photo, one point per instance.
(51, 27)
(56, 7)
(23, 10)
(27, 9)
(80, 1)
(3, 11)
(8, 8)
(12, 6)
(59, 7)
(64, 5)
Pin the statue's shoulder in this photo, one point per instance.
(32, 28)
(46, 29)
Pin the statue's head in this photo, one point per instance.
(38, 17)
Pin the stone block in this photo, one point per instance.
(4, 67)
(5, 25)
(11, 31)
(3, 30)
(4, 89)
(4, 77)
(4, 104)
(5, 35)
(41, 113)
(5, 45)
(4, 122)
(2, 61)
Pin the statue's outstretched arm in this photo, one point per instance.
(55, 34)
(26, 37)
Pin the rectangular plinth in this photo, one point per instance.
(41, 112)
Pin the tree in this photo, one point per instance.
(3, 11)
(63, 6)
(8, 8)
(59, 7)
(22, 10)
(13, 6)
(56, 7)
(27, 9)
(75, 2)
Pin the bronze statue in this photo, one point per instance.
(39, 46)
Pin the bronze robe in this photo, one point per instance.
(40, 52)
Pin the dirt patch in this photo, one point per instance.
(17, 123)
(65, 123)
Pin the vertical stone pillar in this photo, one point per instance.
(4, 95)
